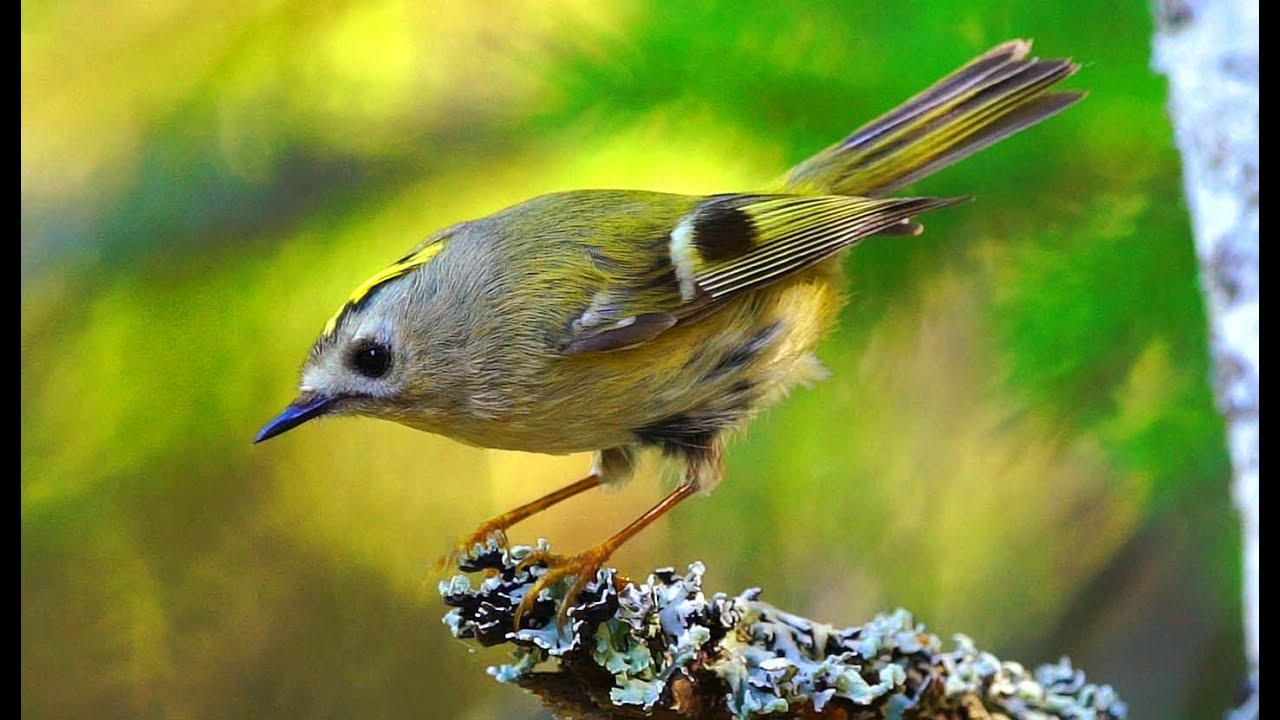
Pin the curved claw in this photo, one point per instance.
(540, 557)
(489, 532)
(583, 567)
(495, 529)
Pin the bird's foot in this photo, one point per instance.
(583, 567)
(491, 535)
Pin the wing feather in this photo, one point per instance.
(787, 234)
(732, 244)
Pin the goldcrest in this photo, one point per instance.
(614, 321)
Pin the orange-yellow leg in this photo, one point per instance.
(500, 523)
(585, 565)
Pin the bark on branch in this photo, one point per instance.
(664, 649)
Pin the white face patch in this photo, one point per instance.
(372, 328)
(683, 256)
(331, 371)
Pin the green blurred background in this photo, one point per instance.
(1018, 440)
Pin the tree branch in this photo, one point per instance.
(663, 649)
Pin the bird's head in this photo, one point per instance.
(374, 357)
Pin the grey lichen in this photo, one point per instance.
(663, 648)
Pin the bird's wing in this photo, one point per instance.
(730, 244)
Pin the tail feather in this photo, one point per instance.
(946, 89)
(1030, 114)
(990, 98)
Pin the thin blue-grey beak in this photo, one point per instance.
(306, 407)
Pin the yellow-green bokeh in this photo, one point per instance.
(1017, 440)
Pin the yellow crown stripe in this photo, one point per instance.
(401, 267)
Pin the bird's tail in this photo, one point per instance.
(992, 97)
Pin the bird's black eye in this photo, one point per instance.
(371, 360)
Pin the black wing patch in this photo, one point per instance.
(730, 244)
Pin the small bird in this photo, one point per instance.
(613, 321)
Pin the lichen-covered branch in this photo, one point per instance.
(664, 649)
